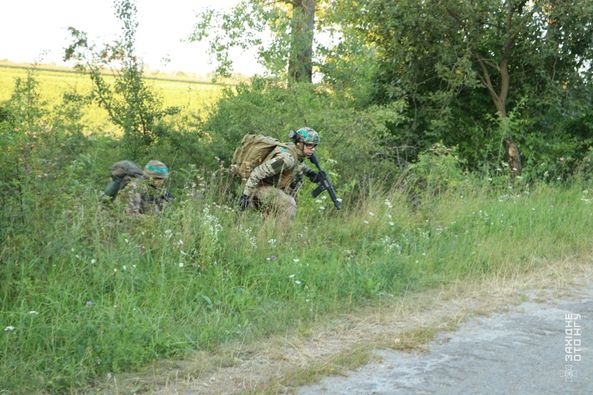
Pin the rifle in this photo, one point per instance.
(324, 184)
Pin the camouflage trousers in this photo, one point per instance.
(273, 201)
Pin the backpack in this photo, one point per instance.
(254, 150)
(121, 174)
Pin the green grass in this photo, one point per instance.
(194, 97)
(90, 291)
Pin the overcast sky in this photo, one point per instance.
(36, 30)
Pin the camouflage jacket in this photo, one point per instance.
(285, 170)
(141, 197)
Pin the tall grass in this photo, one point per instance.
(86, 290)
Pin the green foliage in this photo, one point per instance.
(353, 142)
(281, 32)
(437, 171)
(104, 293)
(87, 291)
(449, 61)
(129, 101)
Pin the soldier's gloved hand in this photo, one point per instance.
(244, 202)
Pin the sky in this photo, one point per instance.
(36, 31)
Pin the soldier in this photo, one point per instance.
(147, 194)
(273, 185)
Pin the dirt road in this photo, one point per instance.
(537, 348)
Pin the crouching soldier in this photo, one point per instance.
(272, 186)
(147, 194)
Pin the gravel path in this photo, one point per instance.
(521, 351)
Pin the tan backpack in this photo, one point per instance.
(254, 150)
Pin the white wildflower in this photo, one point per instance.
(9, 328)
(296, 260)
(33, 312)
(181, 264)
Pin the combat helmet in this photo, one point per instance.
(306, 135)
(156, 169)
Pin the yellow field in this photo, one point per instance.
(192, 96)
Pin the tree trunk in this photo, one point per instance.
(300, 62)
(512, 151)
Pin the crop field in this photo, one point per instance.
(194, 97)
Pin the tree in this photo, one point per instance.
(445, 55)
(129, 101)
(290, 25)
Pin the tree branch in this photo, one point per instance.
(486, 78)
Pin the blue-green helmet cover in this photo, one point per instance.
(308, 135)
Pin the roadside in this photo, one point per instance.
(536, 348)
(409, 323)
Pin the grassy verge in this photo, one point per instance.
(86, 291)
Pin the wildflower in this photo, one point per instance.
(272, 242)
(371, 213)
(366, 222)
(296, 260)
(124, 268)
(291, 276)
(33, 312)
(298, 282)
(318, 201)
(89, 303)
(9, 328)
(181, 264)
(127, 241)
(93, 261)
(272, 258)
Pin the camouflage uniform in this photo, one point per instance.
(274, 183)
(141, 197)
